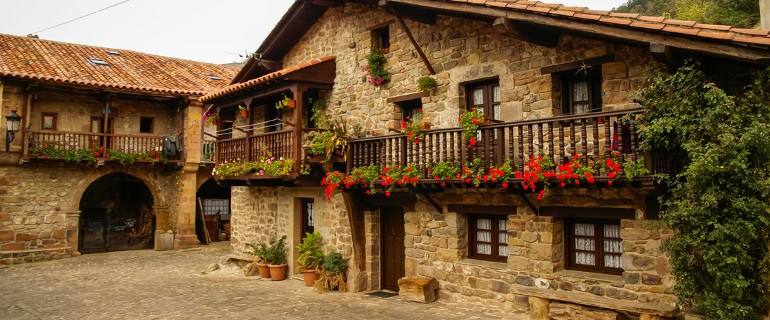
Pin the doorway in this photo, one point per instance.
(212, 214)
(392, 253)
(116, 214)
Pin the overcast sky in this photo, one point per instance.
(213, 31)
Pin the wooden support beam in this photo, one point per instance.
(326, 3)
(415, 44)
(297, 92)
(621, 34)
(525, 32)
(591, 62)
(662, 53)
(270, 65)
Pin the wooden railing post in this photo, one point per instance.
(403, 143)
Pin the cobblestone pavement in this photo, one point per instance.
(170, 285)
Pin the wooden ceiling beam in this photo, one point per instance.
(327, 3)
(528, 33)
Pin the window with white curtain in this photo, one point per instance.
(488, 237)
(594, 246)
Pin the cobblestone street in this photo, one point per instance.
(170, 285)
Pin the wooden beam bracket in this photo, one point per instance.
(432, 201)
(414, 43)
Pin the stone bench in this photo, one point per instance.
(418, 289)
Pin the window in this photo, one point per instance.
(594, 246)
(307, 216)
(488, 237)
(48, 121)
(581, 90)
(381, 39)
(217, 206)
(485, 96)
(146, 124)
(410, 108)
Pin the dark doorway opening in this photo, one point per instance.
(116, 214)
(392, 235)
(213, 212)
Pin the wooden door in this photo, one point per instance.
(392, 259)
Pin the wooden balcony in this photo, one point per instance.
(256, 148)
(557, 138)
(61, 145)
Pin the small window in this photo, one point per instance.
(381, 39)
(48, 121)
(308, 225)
(488, 237)
(484, 96)
(581, 91)
(98, 62)
(146, 124)
(594, 246)
(410, 109)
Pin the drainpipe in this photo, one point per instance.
(764, 14)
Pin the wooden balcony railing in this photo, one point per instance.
(208, 150)
(557, 137)
(44, 144)
(255, 147)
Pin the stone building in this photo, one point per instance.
(108, 149)
(548, 79)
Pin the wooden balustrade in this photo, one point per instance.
(557, 138)
(42, 142)
(208, 150)
(252, 148)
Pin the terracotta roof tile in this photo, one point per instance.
(633, 20)
(686, 23)
(712, 26)
(265, 78)
(68, 63)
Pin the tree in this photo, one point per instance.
(739, 13)
(719, 204)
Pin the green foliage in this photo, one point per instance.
(719, 205)
(377, 73)
(310, 256)
(126, 157)
(739, 13)
(426, 83)
(318, 114)
(634, 169)
(368, 174)
(260, 250)
(470, 122)
(275, 253)
(264, 167)
(335, 263)
(70, 155)
(333, 275)
(445, 170)
(324, 144)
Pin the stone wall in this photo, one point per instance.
(260, 214)
(461, 51)
(437, 246)
(39, 206)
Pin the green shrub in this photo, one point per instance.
(310, 256)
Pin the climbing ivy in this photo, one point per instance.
(719, 202)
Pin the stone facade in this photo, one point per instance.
(39, 200)
(462, 51)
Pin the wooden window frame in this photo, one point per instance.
(55, 117)
(381, 38)
(569, 241)
(494, 237)
(489, 103)
(594, 78)
(152, 124)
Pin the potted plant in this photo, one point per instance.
(310, 257)
(277, 259)
(243, 111)
(426, 83)
(414, 128)
(286, 102)
(470, 122)
(375, 71)
(261, 251)
(333, 273)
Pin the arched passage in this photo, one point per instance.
(213, 212)
(116, 214)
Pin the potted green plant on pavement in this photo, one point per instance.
(261, 252)
(276, 259)
(333, 273)
(310, 257)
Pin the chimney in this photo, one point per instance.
(764, 14)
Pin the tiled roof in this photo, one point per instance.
(80, 65)
(265, 78)
(632, 20)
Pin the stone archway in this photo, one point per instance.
(116, 213)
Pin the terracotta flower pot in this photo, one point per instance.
(278, 271)
(310, 277)
(244, 114)
(292, 103)
(264, 270)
